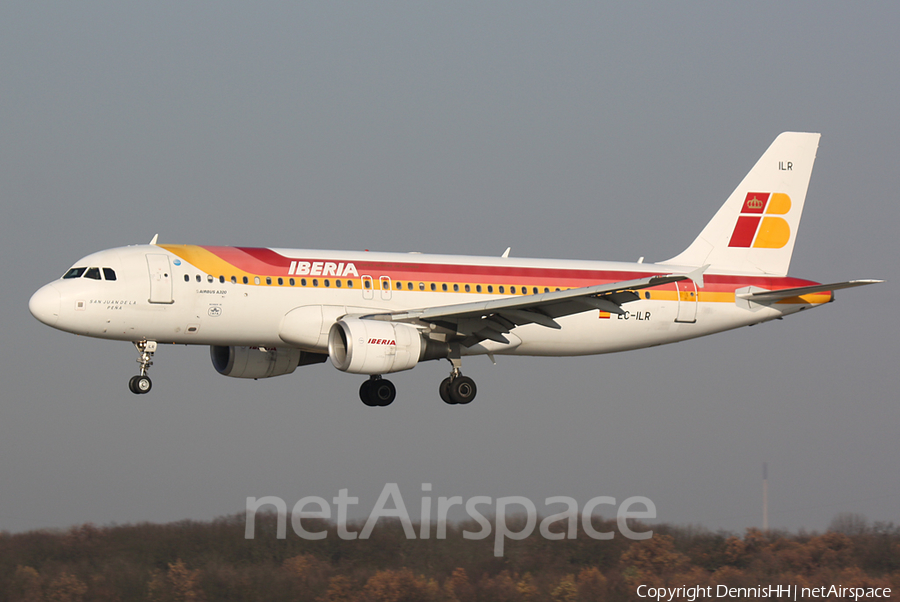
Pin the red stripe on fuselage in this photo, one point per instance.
(267, 262)
(267, 256)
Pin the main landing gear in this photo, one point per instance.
(141, 383)
(377, 392)
(456, 388)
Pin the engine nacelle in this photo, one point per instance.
(251, 362)
(374, 347)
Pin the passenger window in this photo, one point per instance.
(327, 282)
(337, 283)
(535, 290)
(187, 278)
(501, 288)
(209, 278)
(443, 287)
(303, 282)
(291, 281)
(456, 288)
(256, 280)
(349, 284)
(315, 282)
(198, 277)
(280, 281)
(646, 294)
(433, 287)
(478, 288)
(409, 286)
(222, 279)
(546, 290)
(512, 289)
(234, 280)
(421, 286)
(467, 288)
(74, 273)
(490, 288)
(368, 283)
(268, 280)
(109, 274)
(92, 273)
(245, 280)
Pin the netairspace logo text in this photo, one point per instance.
(390, 504)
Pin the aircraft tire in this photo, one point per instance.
(444, 390)
(462, 390)
(140, 384)
(365, 394)
(383, 392)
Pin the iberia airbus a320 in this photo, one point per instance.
(265, 312)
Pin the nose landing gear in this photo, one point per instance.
(141, 383)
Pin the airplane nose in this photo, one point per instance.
(44, 305)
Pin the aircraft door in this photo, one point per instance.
(687, 301)
(160, 278)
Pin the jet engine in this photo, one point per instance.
(376, 347)
(253, 362)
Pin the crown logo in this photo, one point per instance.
(755, 203)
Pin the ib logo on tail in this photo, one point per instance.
(758, 225)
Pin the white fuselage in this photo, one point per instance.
(205, 307)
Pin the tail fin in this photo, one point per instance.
(754, 231)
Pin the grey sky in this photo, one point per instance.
(562, 130)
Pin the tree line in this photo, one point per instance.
(212, 561)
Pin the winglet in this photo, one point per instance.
(506, 252)
(153, 240)
(697, 275)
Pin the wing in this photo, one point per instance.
(474, 322)
(774, 296)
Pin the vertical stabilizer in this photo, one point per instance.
(754, 231)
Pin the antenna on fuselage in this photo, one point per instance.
(153, 240)
(765, 497)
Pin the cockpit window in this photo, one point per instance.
(109, 273)
(92, 273)
(74, 273)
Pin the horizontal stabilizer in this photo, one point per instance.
(772, 296)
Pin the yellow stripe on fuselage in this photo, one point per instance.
(205, 261)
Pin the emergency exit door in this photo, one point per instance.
(687, 301)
